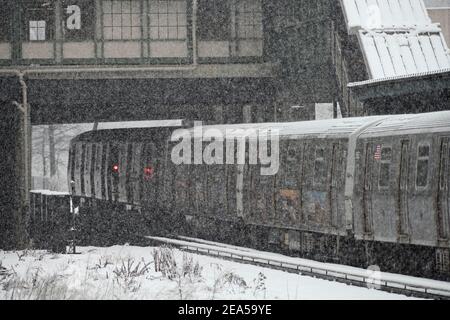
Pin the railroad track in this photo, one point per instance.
(393, 283)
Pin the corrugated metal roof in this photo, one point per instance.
(385, 14)
(399, 54)
(397, 37)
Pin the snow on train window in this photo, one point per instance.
(385, 166)
(423, 157)
(320, 173)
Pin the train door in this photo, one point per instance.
(71, 168)
(443, 195)
(316, 196)
(367, 190)
(287, 197)
(217, 189)
(82, 168)
(77, 168)
(97, 162)
(383, 195)
(136, 173)
(123, 158)
(231, 189)
(92, 157)
(87, 170)
(149, 187)
(112, 170)
(402, 191)
(103, 174)
(335, 183)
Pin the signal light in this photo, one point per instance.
(115, 168)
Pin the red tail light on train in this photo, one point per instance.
(148, 172)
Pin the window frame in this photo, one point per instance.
(206, 19)
(33, 13)
(180, 15)
(256, 35)
(121, 26)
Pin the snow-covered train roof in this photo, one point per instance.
(337, 128)
(397, 37)
(139, 124)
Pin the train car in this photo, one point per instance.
(359, 191)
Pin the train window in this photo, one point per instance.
(423, 156)
(319, 167)
(385, 166)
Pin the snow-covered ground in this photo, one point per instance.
(127, 272)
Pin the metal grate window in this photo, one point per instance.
(122, 20)
(168, 19)
(249, 19)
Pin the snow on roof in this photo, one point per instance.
(385, 14)
(397, 37)
(378, 125)
(399, 54)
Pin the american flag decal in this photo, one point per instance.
(378, 153)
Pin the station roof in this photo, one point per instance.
(397, 37)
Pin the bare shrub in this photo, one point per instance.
(260, 284)
(127, 273)
(227, 280)
(184, 274)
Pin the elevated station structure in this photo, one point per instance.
(220, 61)
(405, 54)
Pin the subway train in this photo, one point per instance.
(357, 191)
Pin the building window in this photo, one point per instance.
(122, 20)
(5, 13)
(39, 21)
(423, 155)
(249, 19)
(167, 20)
(37, 30)
(386, 158)
(214, 20)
